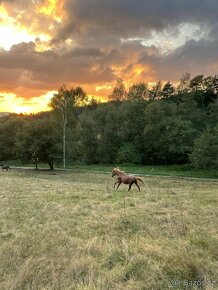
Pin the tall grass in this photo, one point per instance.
(73, 231)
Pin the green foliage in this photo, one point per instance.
(36, 140)
(168, 137)
(65, 98)
(183, 86)
(213, 113)
(8, 128)
(156, 91)
(65, 101)
(138, 92)
(128, 154)
(144, 125)
(109, 136)
(168, 90)
(205, 151)
(89, 137)
(197, 83)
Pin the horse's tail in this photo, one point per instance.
(138, 178)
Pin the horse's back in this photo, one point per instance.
(129, 179)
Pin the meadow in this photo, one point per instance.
(72, 230)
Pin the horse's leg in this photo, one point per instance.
(130, 185)
(136, 183)
(118, 184)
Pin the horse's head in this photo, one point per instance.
(115, 171)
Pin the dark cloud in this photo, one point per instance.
(84, 52)
(196, 57)
(99, 40)
(23, 66)
(126, 18)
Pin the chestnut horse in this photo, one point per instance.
(122, 177)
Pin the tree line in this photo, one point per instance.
(161, 124)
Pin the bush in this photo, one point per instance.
(205, 150)
(128, 154)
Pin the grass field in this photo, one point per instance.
(184, 170)
(68, 230)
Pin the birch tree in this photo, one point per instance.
(64, 101)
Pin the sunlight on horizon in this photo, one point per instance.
(11, 103)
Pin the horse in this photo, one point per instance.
(5, 167)
(124, 178)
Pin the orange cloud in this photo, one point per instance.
(45, 43)
(53, 8)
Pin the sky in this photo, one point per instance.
(91, 43)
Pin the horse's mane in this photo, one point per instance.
(117, 169)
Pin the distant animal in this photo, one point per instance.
(5, 167)
(124, 178)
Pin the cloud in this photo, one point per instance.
(23, 66)
(127, 18)
(196, 57)
(93, 42)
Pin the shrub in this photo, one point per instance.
(205, 150)
(128, 154)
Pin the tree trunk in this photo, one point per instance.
(64, 117)
(64, 146)
(51, 165)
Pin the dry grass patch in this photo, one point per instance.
(73, 231)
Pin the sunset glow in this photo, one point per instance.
(10, 32)
(12, 103)
(44, 44)
(53, 8)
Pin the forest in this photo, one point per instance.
(161, 124)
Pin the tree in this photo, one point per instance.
(89, 136)
(128, 154)
(213, 113)
(203, 90)
(64, 101)
(138, 92)
(197, 83)
(184, 83)
(36, 141)
(169, 137)
(9, 126)
(210, 94)
(168, 90)
(205, 151)
(155, 92)
(119, 92)
(109, 139)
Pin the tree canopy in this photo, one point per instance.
(159, 124)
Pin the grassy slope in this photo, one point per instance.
(72, 231)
